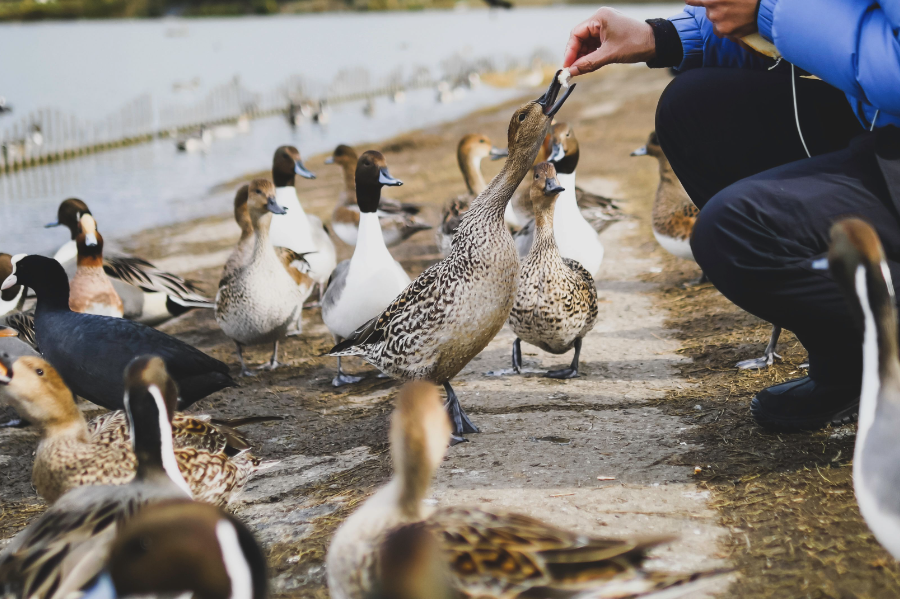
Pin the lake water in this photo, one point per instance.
(92, 68)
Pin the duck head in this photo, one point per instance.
(89, 242)
(371, 175)
(241, 212)
(261, 203)
(652, 147)
(37, 392)
(183, 547)
(6, 269)
(69, 215)
(343, 156)
(44, 275)
(529, 124)
(564, 150)
(420, 435)
(545, 188)
(286, 165)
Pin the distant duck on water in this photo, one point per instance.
(360, 288)
(451, 312)
(197, 141)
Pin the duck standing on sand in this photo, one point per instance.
(487, 553)
(260, 302)
(91, 352)
(556, 303)
(398, 221)
(362, 286)
(296, 230)
(472, 149)
(90, 291)
(450, 312)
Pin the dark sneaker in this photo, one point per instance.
(805, 405)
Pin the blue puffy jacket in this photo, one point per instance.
(851, 44)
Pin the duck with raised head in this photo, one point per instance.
(451, 312)
(183, 548)
(91, 351)
(472, 149)
(575, 237)
(90, 290)
(361, 287)
(260, 302)
(859, 266)
(148, 294)
(70, 456)
(398, 221)
(298, 231)
(556, 302)
(64, 549)
(488, 553)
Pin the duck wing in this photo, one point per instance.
(452, 213)
(144, 275)
(599, 211)
(23, 323)
(391, 206)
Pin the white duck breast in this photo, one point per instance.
(575, 237)
(680, 248)
(372, 281)
(303, 233)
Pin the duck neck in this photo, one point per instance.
(52, 291)
(154, 449)
(544, 241)
(471, 170)
(349, 180)
(261, 245)
(412, 487)
(68, 423)
(370, 244)
(491, 203)
(287, 197)
(567, 203)
(667, 177)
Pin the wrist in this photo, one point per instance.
(667, 48)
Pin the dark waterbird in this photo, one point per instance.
(91, 352)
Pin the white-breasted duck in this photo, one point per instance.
(556, 302)
(398, 221)
(575, 237)
(488, 553)
(859, 266)
(63, 550)
(183, 548)
(298, 231)
(472, 149)
(91, 351)
(260, 302)
(90, 290)
(71, 455)
(196, 141)
(11, 300)
(148, 294)
(451, 311)
(361, 287)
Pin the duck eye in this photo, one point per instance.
(521, 117)
(40, 371)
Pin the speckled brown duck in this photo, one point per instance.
(450, 312)
(556, 303)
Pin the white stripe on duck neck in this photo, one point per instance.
(239, 573)
(13, 304)
(291, 230)
(871, 381)
(67, 253)
(170, 464)
(575, 237)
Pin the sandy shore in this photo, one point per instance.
(657, 397)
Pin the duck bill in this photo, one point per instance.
(55, 223)
(90, 240)
(329, 160)
(103, 588)
(642, 151)
(557, 152)
(303, 171)
(552, 187)
(6, 371)
(8, 332)
(498, 153)
(549, 101)
(385, 178)
(11, 281)
(274, 207)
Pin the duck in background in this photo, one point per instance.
(487, 553)
(91, 351)
(451, 312)
(12, 307)
(63, 550)
(13, 299)
(68, 456)
(556, 302)
(148, 294)
(183, 548)
(472, 149)
(197, 141)
(90, 291)
(260, 302)
(298, 231)
(575, 237)
(398, 221)
(361, 287)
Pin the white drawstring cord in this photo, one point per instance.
(797, 114)
(875, 119)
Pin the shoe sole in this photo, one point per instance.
(848, 415)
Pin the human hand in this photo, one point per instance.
(730, 18)
(608, 37)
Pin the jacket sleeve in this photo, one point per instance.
(703, 48)
(851, 44)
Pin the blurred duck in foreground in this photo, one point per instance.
(182, 548)
(260, 302)
(472, 149)
(487, 553)
(91, 352)
(148, 294)
(71, 454)
(64, 549)
(361, 287)
(575, 237)
(451, 312)
(556, 303)
(859, 266)
(398, 221)
(296, 230)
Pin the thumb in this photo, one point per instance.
(590, 62)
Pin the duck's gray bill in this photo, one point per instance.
(329, 160)
(102, 588)
(552, 186)
(303, 171)
(385, 178)
(55, 223)
(498, 153)
(556, 153)
(642, 151)
(274, 207)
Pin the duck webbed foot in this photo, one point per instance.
(461, 423)
(342, 378)
(273, 362)
(240, 352)
(768, 357)
(572, 371)
(517, 356)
